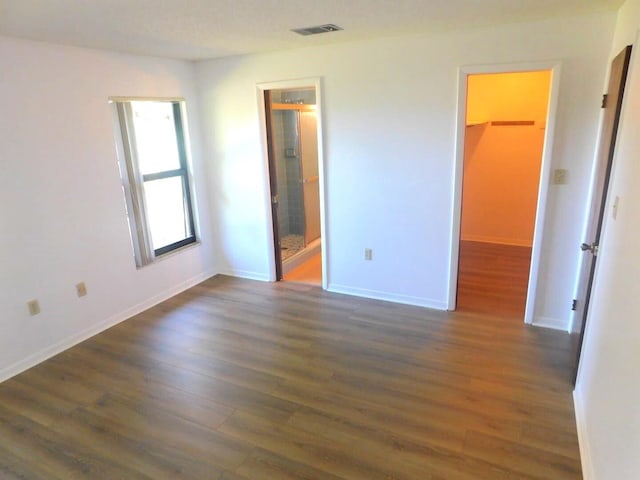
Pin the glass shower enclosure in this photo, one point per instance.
(295, 185)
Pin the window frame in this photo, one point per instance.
(133, 181)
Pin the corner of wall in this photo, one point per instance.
(550, 322)
(247, 274)
(66, 343)
(583, 437)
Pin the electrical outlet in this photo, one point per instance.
(81, 289)
(368, 254)
(560, 176)
(34, 307)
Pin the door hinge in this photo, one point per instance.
(274, 199)
(590, 247)
(605, 97)
(574, 305)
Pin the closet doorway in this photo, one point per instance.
(291, 119)
(505, 132)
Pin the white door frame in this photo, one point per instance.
(315, 82)
(545, 173)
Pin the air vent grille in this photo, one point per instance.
(330, 27)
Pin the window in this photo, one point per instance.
(156, 181)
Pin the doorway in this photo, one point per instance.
(504, 138)
(291, 120)
(612, 105)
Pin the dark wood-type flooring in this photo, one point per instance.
(236, 379)
(493, 279)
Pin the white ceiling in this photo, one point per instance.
(198, 29)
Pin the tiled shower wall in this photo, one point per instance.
(294, 173)
(281, 171)
(287, 152)
(288, 163)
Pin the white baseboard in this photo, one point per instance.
(588, 472)
(549, 322)
(262, 277)
(302, 256)
(386, 296)
(497, 240)
(66, 343)
(574, 323)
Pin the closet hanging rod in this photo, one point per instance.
(304, 107)
(512, 123)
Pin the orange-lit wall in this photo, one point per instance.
(502, 163)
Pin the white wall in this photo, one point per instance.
(62, 212)
(389, 132)
(502, 163)
(627, 25)
(608, 388)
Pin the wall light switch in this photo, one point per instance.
(614, 209)
(560, 176)
(368, 254)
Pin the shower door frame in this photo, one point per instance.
(275, 261)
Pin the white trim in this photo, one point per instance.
(262, 119)
(588, 473)
(388, 297)
(573, 322)
(249, 275)
(545, 172)
(550, 322)
(496, 240)
(302, 256)
(116, 99)
(456, 210)
(315, 82)
(66, 343)
(543, 193)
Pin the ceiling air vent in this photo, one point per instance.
(318, 29)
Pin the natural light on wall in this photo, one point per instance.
(154, 167)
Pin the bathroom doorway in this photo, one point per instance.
(291, 120)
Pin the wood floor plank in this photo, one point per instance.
(317, 452)
(227, 475)
(265, 465)
(224, 393)
(24, 471)
(154, 446)
(382, 443)
(41, 406)
(242, 380)
(42, 449)
(68, 385)
(522, 459)
(434, 426)
(493, 278)
(551, 440)
(121, 446)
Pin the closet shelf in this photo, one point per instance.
(501, 123)
(476, 123)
